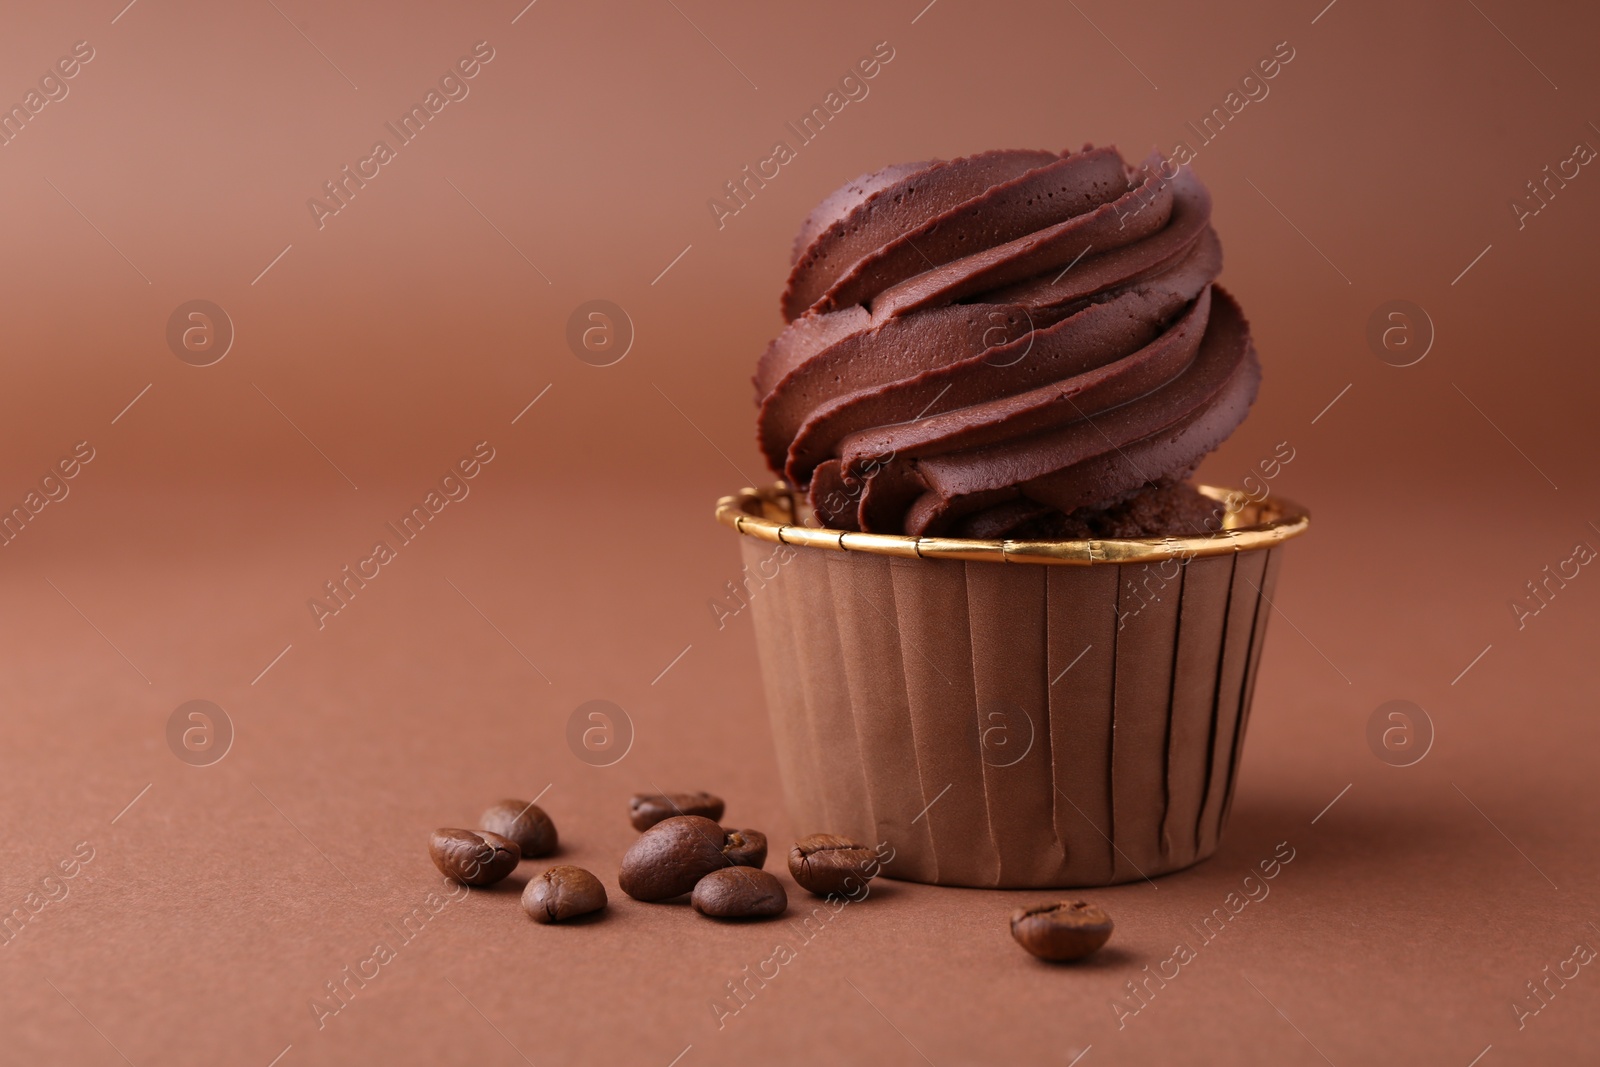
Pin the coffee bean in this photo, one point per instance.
(473, 857)
(828, 863)
(524, 823)
(739, 893)
(563, 892)
(670, 857)
(745, 848)
(1061, 930)
(647, 809)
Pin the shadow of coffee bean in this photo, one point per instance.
(1109, 958)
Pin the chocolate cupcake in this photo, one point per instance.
(1012, 640)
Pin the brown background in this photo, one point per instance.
(411, 326)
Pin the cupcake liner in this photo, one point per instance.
(1012, 725)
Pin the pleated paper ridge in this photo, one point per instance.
(1012, 725)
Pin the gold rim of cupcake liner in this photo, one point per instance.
(768, 515)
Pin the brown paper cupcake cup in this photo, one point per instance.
(1011, 714)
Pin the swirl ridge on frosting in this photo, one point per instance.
(977, 343)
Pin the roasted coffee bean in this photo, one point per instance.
(739, 893)
(474, 857)
(670, 857)
(1061, 930)
(524, 823)
(745, 848)
(828, 863)
(647, 809)
(563, 892)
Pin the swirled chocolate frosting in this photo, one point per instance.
(1003, 345)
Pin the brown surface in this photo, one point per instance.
(218, 904)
